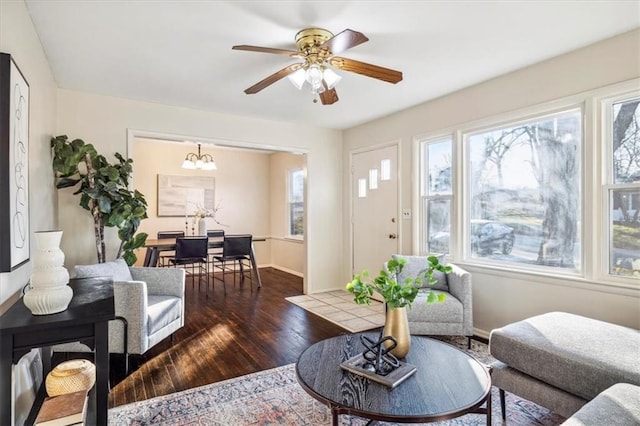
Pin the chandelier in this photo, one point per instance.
(199, 161)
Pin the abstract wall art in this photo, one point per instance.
(14, 165)
(183, 195)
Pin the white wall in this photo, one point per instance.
(104, 122)
(18, 38)
(286, 253)
(502, 297)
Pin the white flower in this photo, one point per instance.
(200, 213)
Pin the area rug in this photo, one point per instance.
(274, 397)
(338, 307)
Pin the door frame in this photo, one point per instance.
(361, 150)
(133, 133)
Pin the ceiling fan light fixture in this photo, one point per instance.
(314, 75)
(298, 78)
(331, 78)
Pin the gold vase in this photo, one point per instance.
(396, 325)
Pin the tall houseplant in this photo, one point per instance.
(397, 295)
(104, 192)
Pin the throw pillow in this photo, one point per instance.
(415, 264)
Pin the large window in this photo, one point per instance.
(436, 193)
(524, 192)
(623, 190)
(295, 202)
(537, 192)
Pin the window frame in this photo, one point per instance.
(424, 197)
(595, 160)
(289, 202)
(605, 105)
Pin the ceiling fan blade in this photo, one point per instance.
(374, 71)
(343, 41)
(329, 96)
(273, 78)
(248, 48)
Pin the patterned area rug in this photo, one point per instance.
(273, 397)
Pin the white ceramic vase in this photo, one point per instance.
(202, 227)
(48, 290)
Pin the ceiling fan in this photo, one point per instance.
(316, 48)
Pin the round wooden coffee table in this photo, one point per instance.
(448, 383)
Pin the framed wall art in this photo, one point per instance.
(183, 195)
(14, 166)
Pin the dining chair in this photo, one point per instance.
(237, 250)
(166, 235)
(193, 252)
(215, 234)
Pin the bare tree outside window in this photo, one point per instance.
(525, 192)
(624, 194)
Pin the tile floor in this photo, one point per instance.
(338, 307)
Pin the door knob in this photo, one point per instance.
(393, 236)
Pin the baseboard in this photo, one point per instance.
(481, 333)
(283, 269)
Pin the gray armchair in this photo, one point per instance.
(454, 316)
(150, 300)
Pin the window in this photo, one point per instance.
(436, 192)
(524, 199)
(295, 195)
(622, 132)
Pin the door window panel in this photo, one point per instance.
(362, 188)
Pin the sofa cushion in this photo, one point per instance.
(618, 405)
(416, 264)
(118, 270)
(580, 355)
(162, 311)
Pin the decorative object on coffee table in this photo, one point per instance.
(71, 376)
(378, 364)
(48, 292)
(397, 296)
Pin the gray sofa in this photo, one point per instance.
(618, 405)
(454, 316)
(561, 361)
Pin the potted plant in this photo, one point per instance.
(104, 192)
(397, 295)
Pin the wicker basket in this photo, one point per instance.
(71, 376)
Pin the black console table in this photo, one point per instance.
(86, 320)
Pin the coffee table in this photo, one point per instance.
(448, 382)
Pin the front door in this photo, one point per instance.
(374, 203)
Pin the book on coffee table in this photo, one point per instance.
(63, 410)
(357, 364)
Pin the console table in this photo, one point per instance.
(86, 320)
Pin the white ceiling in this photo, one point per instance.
(179, 52)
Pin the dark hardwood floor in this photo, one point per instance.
(224, 337)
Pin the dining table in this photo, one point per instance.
(155, 246)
